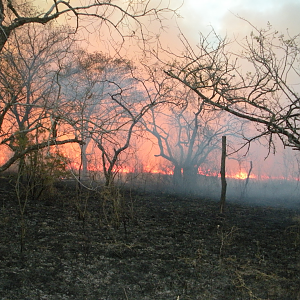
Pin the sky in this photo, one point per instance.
(222, 15)
(199, 15)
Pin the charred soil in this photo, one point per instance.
(145, 246)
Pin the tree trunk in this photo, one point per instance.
(84, 160)
(4, 34)
(247, 181)
(177, 178)
(190, 178)
(109, 179)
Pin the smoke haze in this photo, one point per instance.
(200, 16)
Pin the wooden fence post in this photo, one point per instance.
(223, 173)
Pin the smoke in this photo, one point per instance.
(281, 15)
(276, 182)
(200, 16)
(268, 192)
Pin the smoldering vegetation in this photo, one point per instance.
(144, 239)
(266, 192)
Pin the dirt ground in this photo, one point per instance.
(146, 246)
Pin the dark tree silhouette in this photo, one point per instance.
(259, 82)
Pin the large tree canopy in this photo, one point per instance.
(28, 91)
(258, 81)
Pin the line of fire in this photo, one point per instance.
(90, 116)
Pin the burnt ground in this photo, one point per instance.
(147, 246)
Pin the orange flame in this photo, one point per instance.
(241, 175)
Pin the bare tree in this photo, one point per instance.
(111, 99)
(83, 84)
(125, 19)
(187, 135)
(29, 63)
(124, 109)
(113, 141)
(258, 82)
